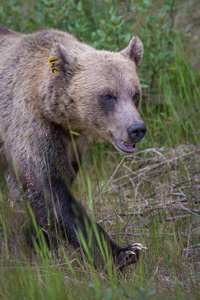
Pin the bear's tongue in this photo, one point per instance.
(125, 147)
(128, 146)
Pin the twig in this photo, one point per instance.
(145, 170)
(189, 116)
(190, 210)
(175, 218)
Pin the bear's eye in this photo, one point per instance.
(136, 98)
(109, 97)
(107, 101)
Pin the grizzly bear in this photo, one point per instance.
(52, 85)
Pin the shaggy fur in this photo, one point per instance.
(39, 109)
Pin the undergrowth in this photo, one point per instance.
(151, 197)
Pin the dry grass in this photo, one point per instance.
(152, 197)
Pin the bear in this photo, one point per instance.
(51, 86)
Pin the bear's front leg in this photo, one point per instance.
(46, 185)
(74, 225)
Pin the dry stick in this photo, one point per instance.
(126, 156)
(175, 218)
(149, 210)
(190, 210)
(119, 215)
(113, 235)
(115, 171)
(184, 180)
(192, 247)
(144, 170)
(189, 116)
(160, 220)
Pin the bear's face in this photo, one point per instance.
(105, 93)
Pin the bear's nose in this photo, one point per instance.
(136, 132)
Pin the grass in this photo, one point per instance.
(152, 197)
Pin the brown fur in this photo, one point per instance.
(5, 31)
(38, 109)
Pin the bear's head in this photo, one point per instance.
(103, 94)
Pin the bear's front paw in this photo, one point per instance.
(129, 255)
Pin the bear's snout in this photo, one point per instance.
(136, 131)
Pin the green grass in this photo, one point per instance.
(151, 197)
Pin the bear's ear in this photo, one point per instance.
(134, 51)
(62, 62)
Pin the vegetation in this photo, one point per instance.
(151, 197)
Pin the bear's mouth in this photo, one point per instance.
(125, 147)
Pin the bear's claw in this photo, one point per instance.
(129, 255)
(138, 246)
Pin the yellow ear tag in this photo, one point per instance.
(52, 62)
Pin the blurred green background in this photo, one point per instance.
(169, 71)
